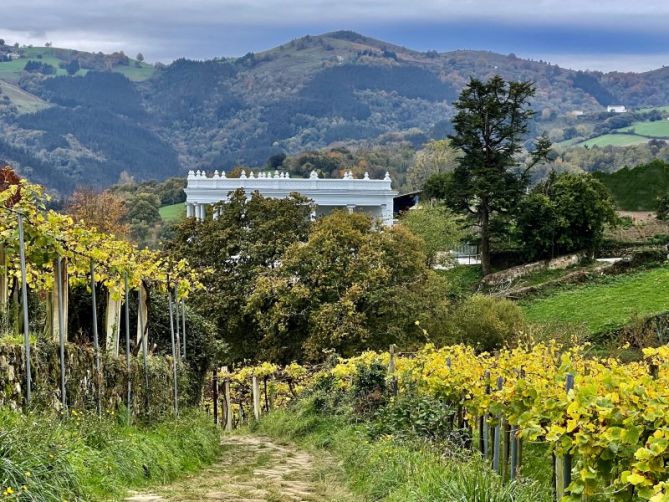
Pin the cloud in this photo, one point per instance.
(167, 29)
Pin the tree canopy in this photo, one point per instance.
(565, 213)
(352, 285)
(490, 127)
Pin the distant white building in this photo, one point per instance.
(374, 197)
(616, 108)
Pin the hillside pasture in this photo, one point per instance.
(605, 304)
(11, 71)
(173, 212)
(24, 101)
(655, 129)
(614, 140)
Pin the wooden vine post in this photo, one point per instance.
(24, 301)
(96, 342)
(256, 398)
(214, 394)
(61, 332)
(497, 436)
(391, 371)
(227, 401)
(174, 355)
(563, 464)
(484, 427)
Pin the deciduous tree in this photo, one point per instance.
(567, 212)
(248, 239)
(440, 228)
(351, 286)
(103, 210)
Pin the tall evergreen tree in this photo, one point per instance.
(490, 126)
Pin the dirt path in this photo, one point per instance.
(254, 469)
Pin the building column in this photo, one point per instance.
(350, 208)
(216, 213)
(189, 210)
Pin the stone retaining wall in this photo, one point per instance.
(81, 382)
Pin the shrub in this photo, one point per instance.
(487, 322)
(417, 417)
(369, 387)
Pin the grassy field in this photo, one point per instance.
(606, 304)
(173, 212)
(614, 140)
(24, 101)
(656, 129)
(11, 71)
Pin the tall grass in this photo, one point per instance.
(392, 470)
(45, 458)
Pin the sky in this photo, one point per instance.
(604, 35)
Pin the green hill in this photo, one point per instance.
(637, 189)
(116, 115)
(12, 71)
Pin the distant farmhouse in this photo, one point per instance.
(616, 108)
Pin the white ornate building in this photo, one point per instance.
(374, 197)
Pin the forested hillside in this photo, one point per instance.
(69, 118)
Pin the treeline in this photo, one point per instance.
(117, 144)
(639, 188)
(107, 91)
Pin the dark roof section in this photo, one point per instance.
(406, 201)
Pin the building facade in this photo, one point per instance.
(373, 197)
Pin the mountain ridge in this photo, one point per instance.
(338, 88)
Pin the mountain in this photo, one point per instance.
(69, 117)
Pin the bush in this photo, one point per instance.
(369, 387)
(417, 417)
(663, 207)
(487, 322)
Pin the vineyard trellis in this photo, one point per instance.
(605, 422)
(55, 251)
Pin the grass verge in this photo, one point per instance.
(45, 458)
(395, 470)
(607, 303)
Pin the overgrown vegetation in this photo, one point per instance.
(386, 458)
(638, 188)
(48, 458)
